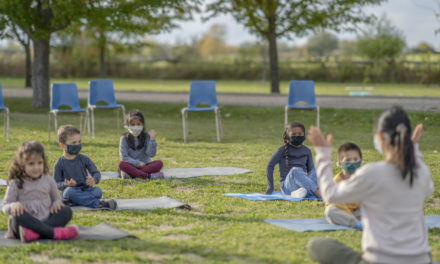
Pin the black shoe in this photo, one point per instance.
(66, 201)
(108, 204)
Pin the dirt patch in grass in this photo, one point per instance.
(182, 189)
(435, 202)
(45, 259)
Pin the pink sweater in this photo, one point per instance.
(36, 196)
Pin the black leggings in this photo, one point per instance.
(45, 229)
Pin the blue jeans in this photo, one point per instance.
(88, 197)
(297, 178)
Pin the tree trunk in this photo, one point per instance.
(102, 70)
(40, 74)
(102, 43)
(27, 49)
(273, 61)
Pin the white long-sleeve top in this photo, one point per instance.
(394, 229)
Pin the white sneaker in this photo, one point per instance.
(300, 193)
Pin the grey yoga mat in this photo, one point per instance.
(183, 173)
(164, 202)
(102, 231)
(320, 224)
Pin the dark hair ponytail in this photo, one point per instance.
(290, 127)
(396, 129)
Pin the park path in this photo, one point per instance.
(431, 104)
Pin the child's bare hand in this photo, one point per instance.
(141, 164)
(152, 134)
(90, 181)
(70, 183)
(54, 209)
(17, 209)
(317, 138)
(417, 133)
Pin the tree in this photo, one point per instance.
(39, 19)
(121, 22)
(212, 42)
(381, 40)
(11, 31)
(322, 44)
(271, 19)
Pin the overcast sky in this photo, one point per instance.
(417, 23)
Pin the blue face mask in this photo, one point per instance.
(73, 149)
(377, 145)
(350, 167)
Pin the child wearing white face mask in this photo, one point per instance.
(136, 149)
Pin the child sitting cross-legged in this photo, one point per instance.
(70, 172)
(32, 199)
(349, 159)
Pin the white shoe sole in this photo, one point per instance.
(300, 193)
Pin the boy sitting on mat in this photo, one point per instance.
(70, 173)
(349, 159)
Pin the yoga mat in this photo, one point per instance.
(183, 173)
(142, 204)
(266, 197)
(3, 182)
(321, 224)
(102, 231)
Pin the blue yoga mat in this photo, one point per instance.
(266, 197)
(321, 224)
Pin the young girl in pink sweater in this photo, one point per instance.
(32, 199)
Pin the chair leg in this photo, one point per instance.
(220, 122)
(56, 125)
(92, 112)
(184, 125)
(117, 120)
(286, 116)
(48, 128)
(216, 111)
(88, 125)
(123, 117)
(81, 123)
(317, 116)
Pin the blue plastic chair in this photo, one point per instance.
(301, 96)
(66, 94)
(102, 91)
(4, 109)
(202, 92)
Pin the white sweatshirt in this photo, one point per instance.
(394, 229)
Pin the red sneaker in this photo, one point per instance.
(27, 235)
(65, 233)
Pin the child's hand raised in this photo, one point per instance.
(90, 181)
(55, 208)
(17, 209)
(152, 134)
(317, 138)
(70, 183)
(417, 133)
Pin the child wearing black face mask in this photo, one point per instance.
(297, 172)
(70, 173)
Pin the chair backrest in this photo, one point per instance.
(301, 93)
(202, 92)
(64, 94)
(101, 91)
(2, 103)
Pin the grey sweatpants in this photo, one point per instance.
(337, 216)
(329, 251)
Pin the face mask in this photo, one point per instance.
(135, 130)
(73, 149)
(377, 145)
(296, 140)
(350, 167)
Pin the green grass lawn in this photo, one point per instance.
(240, 86)
(219, 229)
